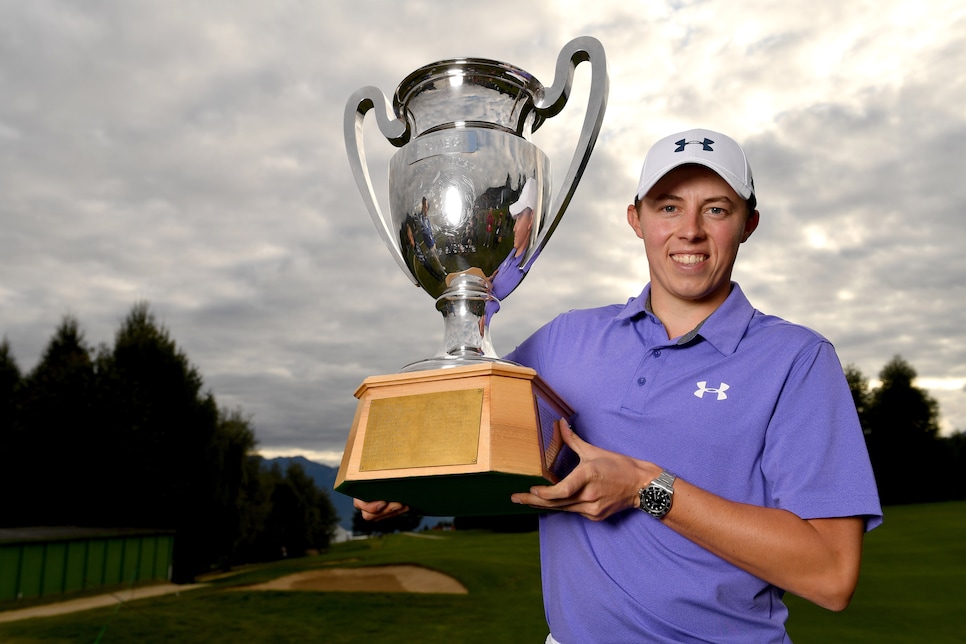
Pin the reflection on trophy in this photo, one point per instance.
(469, 212)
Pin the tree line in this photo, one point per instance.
(913, 463)
(126, 436)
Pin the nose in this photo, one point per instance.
(691, 225)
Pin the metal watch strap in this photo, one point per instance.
(666, 481)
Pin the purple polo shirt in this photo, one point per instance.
(747, 406)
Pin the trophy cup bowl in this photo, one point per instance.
(470, 210)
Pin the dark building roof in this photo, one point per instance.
(70, 533)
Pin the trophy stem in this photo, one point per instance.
(467, 305)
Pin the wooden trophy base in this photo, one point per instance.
(455, 442)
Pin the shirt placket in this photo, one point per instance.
(648, 372)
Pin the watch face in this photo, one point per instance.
(656, 501)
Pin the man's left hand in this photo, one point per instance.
(602, 484)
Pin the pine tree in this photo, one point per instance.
(903, 427)
(57, 416)
(10, 437)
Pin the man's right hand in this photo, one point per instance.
(379, 510)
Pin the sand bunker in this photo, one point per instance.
(379, 579)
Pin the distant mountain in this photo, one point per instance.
(324, 477)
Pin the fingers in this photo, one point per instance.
(564, 494)
(536, 498)
(571, 437)
(581, 448)
(602, 484)
(379, 510)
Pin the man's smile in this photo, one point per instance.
(688, 258)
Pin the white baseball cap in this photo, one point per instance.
(526, 200)
(704, 147)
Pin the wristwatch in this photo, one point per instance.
(656, 497)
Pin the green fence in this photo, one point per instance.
(39, 562)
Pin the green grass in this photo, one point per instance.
(913, 589)
(501, 572)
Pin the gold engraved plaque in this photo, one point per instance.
(423, 430)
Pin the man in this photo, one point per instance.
(721, 460)
(522, 213)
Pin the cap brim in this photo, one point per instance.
(743, 191)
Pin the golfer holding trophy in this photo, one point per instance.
(470, 208)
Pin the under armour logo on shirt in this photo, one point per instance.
(705, 145)
(703, 389)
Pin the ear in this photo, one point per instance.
(634, 219)
(750, 226)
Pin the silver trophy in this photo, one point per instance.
(470, 209)
(469, 194)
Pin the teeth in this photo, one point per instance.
(688, 259)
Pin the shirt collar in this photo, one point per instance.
(724, 328)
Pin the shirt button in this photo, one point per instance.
(641, 381)
(657, 353)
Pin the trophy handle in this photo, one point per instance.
(578, 50)
(397, 132)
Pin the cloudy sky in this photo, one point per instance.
(191, 155)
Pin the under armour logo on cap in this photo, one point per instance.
(705, 145)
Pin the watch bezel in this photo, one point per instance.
(657, 497)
